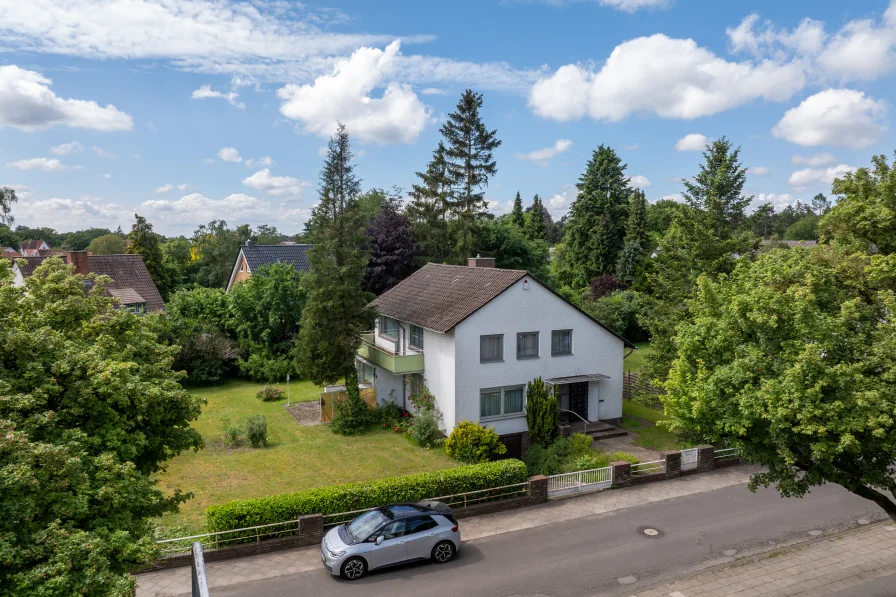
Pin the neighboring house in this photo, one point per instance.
(9, 252)
(252, 256)
(33, 248)
(131, 282)
(477, 335)
(788, 243)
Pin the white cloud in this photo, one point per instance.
(28, 103)
(230, 154)
(206, 92)
(634, 5)
(778, 201)
(165, 188)
(841, 117)
(672, 78)
(631, 147)
(499, 208)
(809, 176)
(541, 156)
(67, 148)
(152, 127)
(345, 96)
(640, 182)
(104, 154)
(433, 91)
(196, 207)
(107, 176)
(71, 214)
(673, 197)
(45, 164)
(275, 185)
(262, 162)
(814, 161)
(758, 170)
(559, 203)
(862, 49)
(322, 151)
(692, 142)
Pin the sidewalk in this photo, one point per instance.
(822, 568)
(177, 581)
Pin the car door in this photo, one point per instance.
(393, 549)
(420, 535)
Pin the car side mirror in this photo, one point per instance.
(379, 539)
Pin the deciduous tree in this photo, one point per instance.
(393, 249)
(7, 199)
(215, 246)
(146, 243)
(107, 244)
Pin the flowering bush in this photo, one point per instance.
(269, 394)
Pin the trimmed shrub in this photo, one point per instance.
(424, 428)
(624, 456)
(352, 415)
(471, 443)
(591, 461)
(357, 496)
(257, 431)
(233, 433)
(541, 413)
(269, 394)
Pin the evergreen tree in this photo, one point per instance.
(636, 239)
(470, 164)
(536, 229)
(428, 207)
(541, 413)
(596, 226)
(820, 204)
(516, 216)
(716, 190)
(336, 312)
(144, 242)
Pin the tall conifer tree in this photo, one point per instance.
(470, 165)
(428, 209)
(516, 216)
(536, 229)
(144, 242)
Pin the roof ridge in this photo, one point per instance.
(469, 267)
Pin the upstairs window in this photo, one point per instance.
(561, 342)
(491, 348)
(417, 337)
(388, 327)
(527, 345)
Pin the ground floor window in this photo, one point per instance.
(415, 384)
(498, 402)
(367, 372)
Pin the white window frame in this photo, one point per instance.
(382, 330)
(411, 342)
(503, 414)
(561, 354)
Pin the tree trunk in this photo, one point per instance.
(878, 498)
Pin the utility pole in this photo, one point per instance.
(287, 389)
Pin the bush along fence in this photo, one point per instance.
(245, 527)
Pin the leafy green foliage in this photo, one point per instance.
(511, 249)
(425, 428)
(336, 312)
(428, 209)
(541, 412)
(352, 415)
(80, 240)
(7, 199)
(216, 246)
(791, 360)
(267, 235)
(516, 215)
(535, 227)
(393, 249)
(146, 243)
(257, 431)
(596, 226)
(90, 409)
(233, 432)
(806, 228)
(107, 244)
(864, 218)
(558, 456)
(269, 394)
(621, 312)
(356, 496)
(178, 259)
(473, 443)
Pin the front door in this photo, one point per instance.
(578, 399)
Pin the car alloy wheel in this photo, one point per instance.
(443, 552)
(353, 569)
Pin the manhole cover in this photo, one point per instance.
(652, 532)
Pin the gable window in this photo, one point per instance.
(501, 402)
(527, 345)
(561, 342)
(388, 327)
(242, 265)
(491, 348)
(417, 336)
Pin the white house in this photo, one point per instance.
(477, 335)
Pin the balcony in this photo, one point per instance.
(398, 361)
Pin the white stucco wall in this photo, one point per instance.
(595, 350)
(386, 382)
(438, 359)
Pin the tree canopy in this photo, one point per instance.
(393, 249)
(89, 410)
(146, 243)
(107, 244)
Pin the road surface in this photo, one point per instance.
(589, 557)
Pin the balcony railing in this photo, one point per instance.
(395, 359)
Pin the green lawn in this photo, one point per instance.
(633, 409)
(297, 458)
(635, 361)
(650, 436)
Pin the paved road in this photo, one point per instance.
(587, 557)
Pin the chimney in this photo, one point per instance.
(248, 242)
(78, 259)
(481, 261)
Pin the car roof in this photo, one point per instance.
(406, 509)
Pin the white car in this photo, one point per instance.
(391, 535)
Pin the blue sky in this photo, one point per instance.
(189, 110)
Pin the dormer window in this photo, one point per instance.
(388, 327)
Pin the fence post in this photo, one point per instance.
(311, 528)
(537, 489)
(673, 463)
(705, 458)
(621, 473)
(197, 572)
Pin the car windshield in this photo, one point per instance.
(361, 527)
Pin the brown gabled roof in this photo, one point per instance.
(31, 264)
(127, 296)
(33, 244)
(438, 297)
(127, 272)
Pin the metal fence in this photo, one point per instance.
(197, 572)
(593, 479)
(183, 545)
(725, 453)
(648, 468)
(481, 496)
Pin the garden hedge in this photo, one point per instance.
(357, 496)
